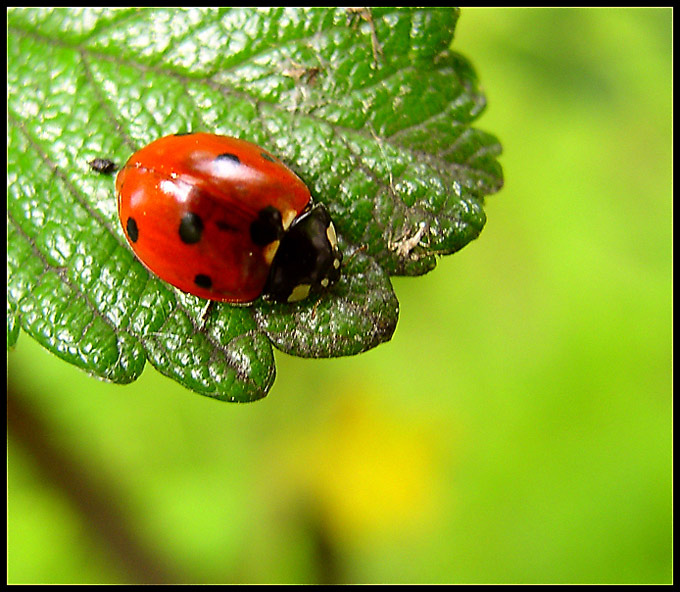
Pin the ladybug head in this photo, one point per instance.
(308, 258)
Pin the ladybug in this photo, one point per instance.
(223, 219)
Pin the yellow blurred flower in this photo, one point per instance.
(372, 472)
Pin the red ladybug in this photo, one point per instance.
(223, 219)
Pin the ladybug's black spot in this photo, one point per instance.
(132, 230)
(203, 281)
(191, 228)
(228, 156)
(268, 157)
(267, 227)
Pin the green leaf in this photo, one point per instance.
(12, 326)
(371, 108)
(356, 317)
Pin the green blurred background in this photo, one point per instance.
(517, 428)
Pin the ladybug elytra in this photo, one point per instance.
(223, 219)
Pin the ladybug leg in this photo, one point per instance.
(316, 304)
(354, 253)
(205, 315)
